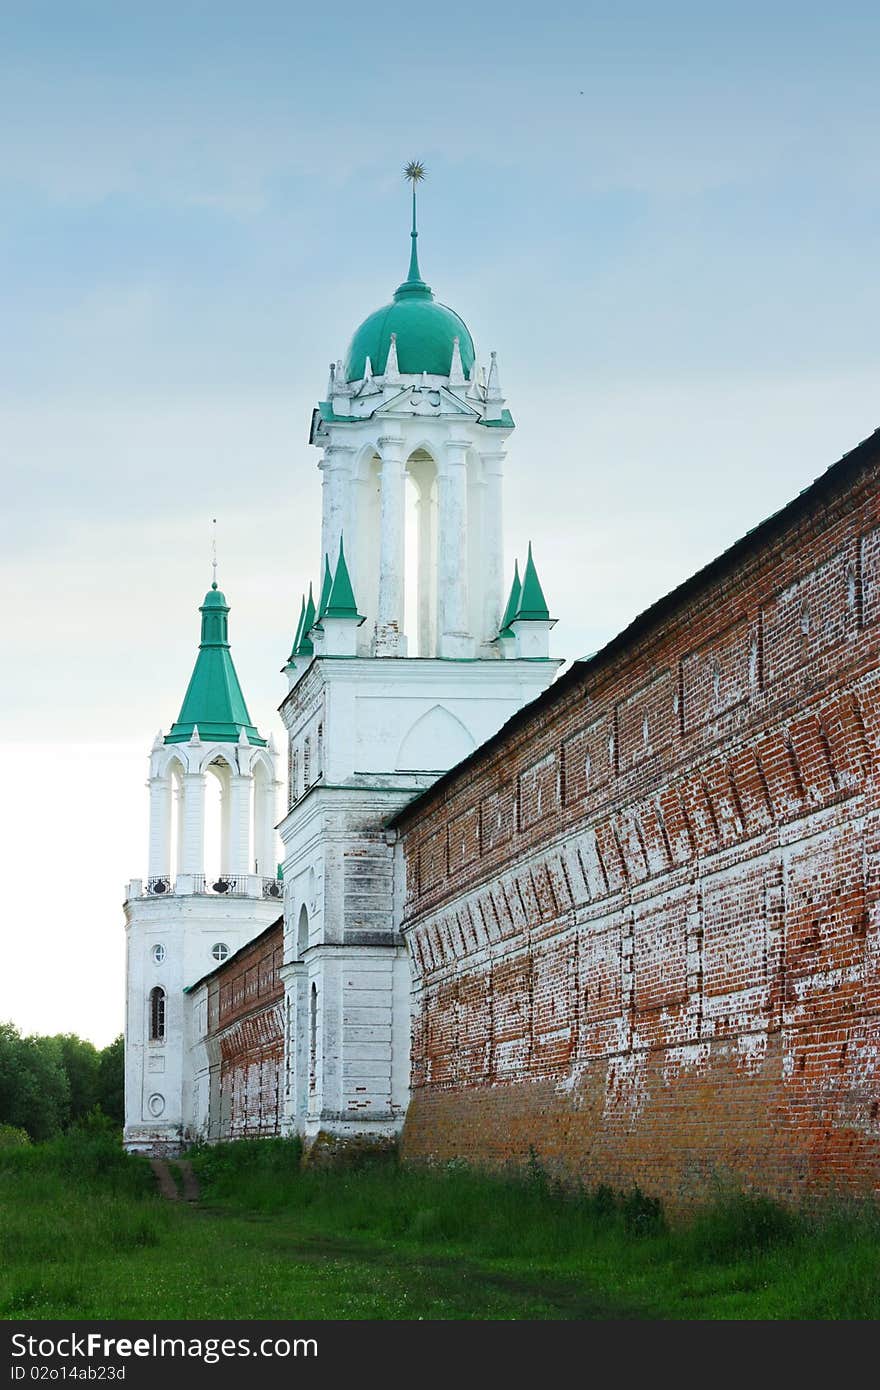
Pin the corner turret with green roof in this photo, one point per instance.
(214, 704)
(326, 586)
(512, 603)
(532, 605)
(299, 630)
(341, 603)
(305, 646)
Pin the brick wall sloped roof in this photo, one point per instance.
(835, 480)
(232, 959)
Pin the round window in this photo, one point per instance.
(220, 950)
(158, 954)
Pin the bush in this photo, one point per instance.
(642, 1216)
(11, 1137)
(223, 1167)
(742, 1225)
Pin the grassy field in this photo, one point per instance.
(83, 1235)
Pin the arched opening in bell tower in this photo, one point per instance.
(174, 773)
(363, 543)
(263, 839)
(217, 820)
(476, 557)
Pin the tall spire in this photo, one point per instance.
(414, 286)
(213, 706)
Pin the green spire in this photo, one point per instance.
(532, 603)
(325, 588)
(512, 603)
(414, 286)
(299, 629)
(305, 644)
(213, 699)
(342, 603)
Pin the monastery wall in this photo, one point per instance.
(238, 1016)
(643, 920)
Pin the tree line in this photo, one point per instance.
(48, 1084)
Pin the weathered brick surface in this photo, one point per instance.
(643, 920)
(246, 1036)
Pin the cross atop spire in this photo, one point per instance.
(214, 553)
(414, 285)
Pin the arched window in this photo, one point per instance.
(302, 932)
(157, 1015)
(313, 1039)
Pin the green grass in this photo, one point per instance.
(83, 1235)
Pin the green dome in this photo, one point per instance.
(426, 331)
(425, 334)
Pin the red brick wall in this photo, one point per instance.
(644, 922)
(246, 1036)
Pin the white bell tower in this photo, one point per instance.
(206, 894)
(408, 661)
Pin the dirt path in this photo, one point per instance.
(167, 1175)
(190, 1181)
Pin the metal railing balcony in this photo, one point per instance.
(214, 885)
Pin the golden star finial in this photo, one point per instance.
(414, 171)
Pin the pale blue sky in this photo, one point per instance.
(664, 218)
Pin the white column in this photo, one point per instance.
(494, 595)
(240, 822)
(455, 640)
(159, 865)
(389, 618)
(336, 510)
(192, 818)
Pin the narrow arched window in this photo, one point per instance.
(157, 1014)
(319, 753)
(313, 1039)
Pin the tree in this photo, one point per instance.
(80, 1060)
(111, 1080)
(34, 1090)
(49, 1083)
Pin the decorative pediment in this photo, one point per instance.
(430, 401)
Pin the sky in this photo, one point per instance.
(665, 219)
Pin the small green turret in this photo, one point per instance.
(214, 703)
